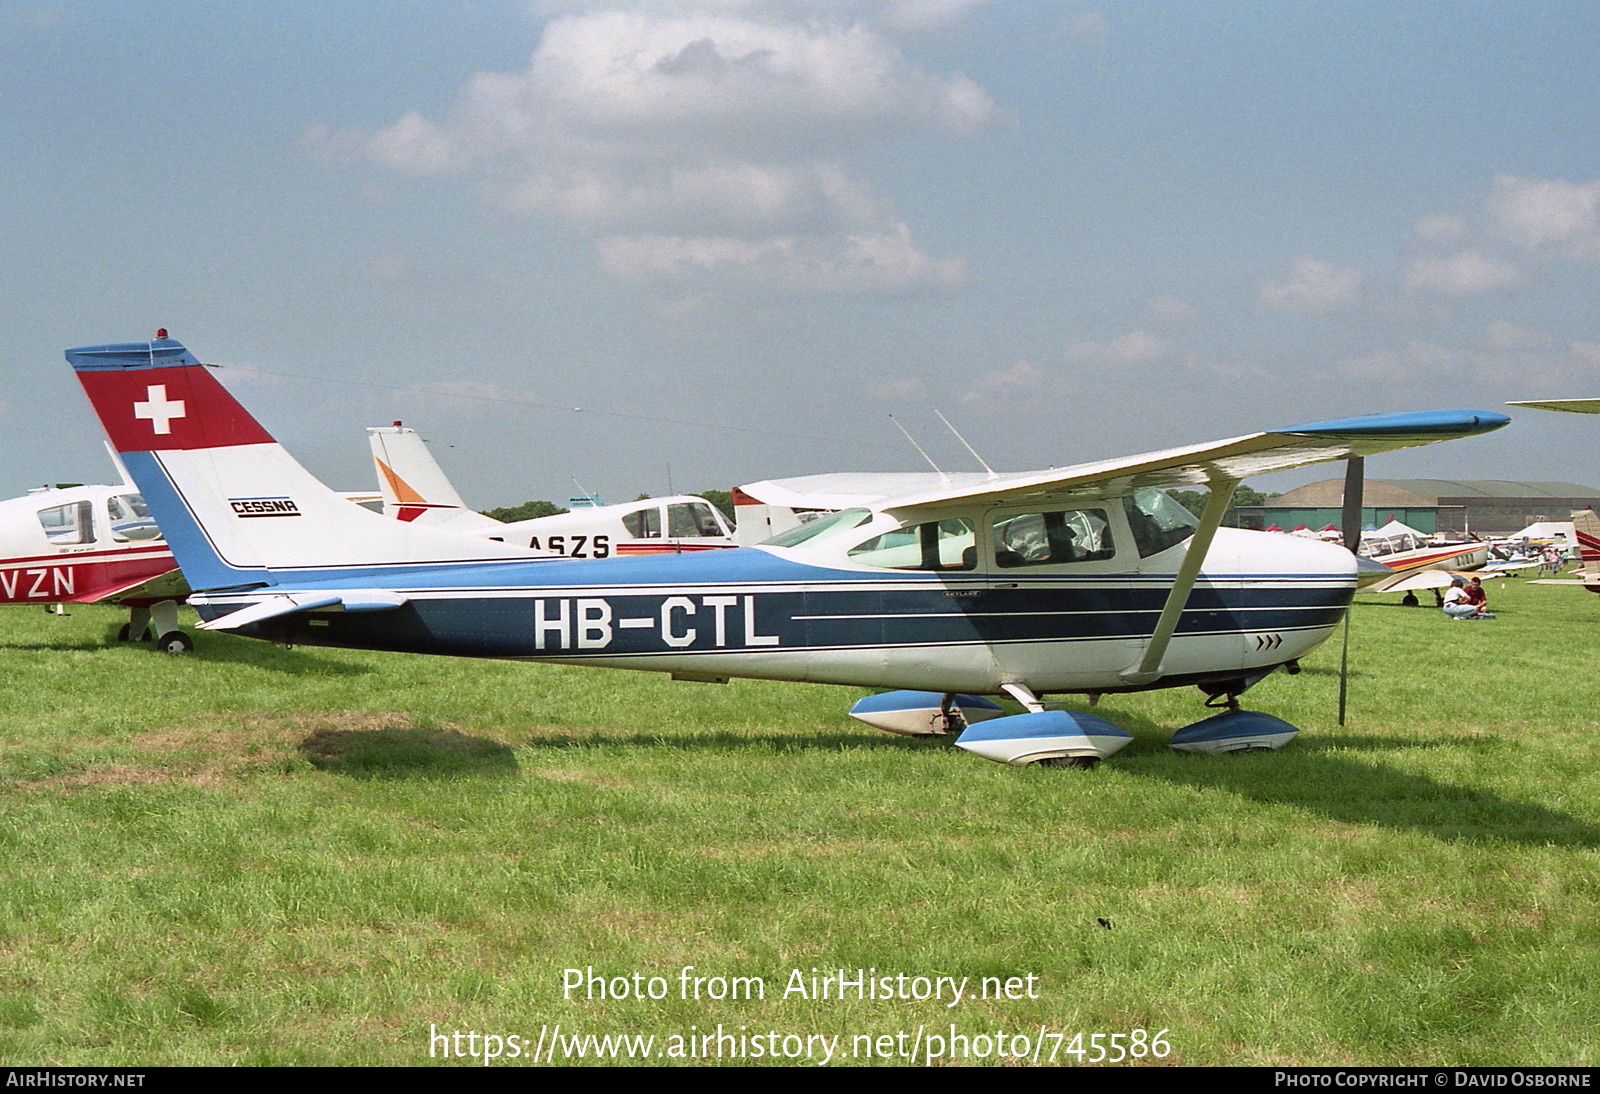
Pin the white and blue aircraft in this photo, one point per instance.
(1078, 580)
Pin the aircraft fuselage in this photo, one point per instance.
(754, 613)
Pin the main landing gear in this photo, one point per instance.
(160, 618)
(1063, 738)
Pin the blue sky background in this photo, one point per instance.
(740, 234)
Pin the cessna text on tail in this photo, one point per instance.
(1085, 579)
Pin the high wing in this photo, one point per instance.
(1571, 406)
(1219, 462)
(854, 490)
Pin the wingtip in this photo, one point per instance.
(1442, 423)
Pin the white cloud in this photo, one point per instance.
(1417, 362)
(1523, 224)
(902, 14)
(1172, 311)
(1587, 354)
(1021, 380)
(1312, 287)
(898, 390)
(1547, 215)
(731, 134)
(1131, 349)
(1440, 229)
(1466, 273)
(881, 262)
(1503, 334)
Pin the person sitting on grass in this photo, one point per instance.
(1478, 598)
(1458, 602)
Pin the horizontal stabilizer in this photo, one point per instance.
(276, 604)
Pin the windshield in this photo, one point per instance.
(130, 518)
(1158, 521)
(841, 521)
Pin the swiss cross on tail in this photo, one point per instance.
(158, 409)
(155, 396)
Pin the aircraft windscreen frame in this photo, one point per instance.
(1158, 521)
(842, 521)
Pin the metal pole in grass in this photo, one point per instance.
(1354, 481)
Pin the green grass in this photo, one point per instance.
(264, 856)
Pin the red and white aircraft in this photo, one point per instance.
(92, 545)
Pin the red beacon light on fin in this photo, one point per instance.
(161, 332)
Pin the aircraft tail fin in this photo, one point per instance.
(414, 487)
(1586, 525)
(236, 508)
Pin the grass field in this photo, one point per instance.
(255, 855)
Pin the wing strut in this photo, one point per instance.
(1194, 556)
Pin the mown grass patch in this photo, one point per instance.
(258, 855)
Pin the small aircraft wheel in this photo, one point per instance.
(1082, 763)
(124, 634)
(174, 642)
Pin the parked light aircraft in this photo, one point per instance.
(415, 489)
(1412, 563)
(1085, 579)
(1585, 524)
(92, 545)
(1586, 528)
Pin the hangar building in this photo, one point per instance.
(1489, 507)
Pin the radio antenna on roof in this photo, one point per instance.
(963, 440)
(917, 446)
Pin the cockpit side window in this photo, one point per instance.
(130, 518)
(1052, 538)
(1157, 521)
(68, 524)
(688, 519)
(948, 544)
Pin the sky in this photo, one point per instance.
(670, 246)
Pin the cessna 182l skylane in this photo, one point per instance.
(1085, 579)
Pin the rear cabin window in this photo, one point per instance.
(1052, 539)
(644, 524)
(937, 545)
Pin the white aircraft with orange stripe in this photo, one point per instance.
(417, 491)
